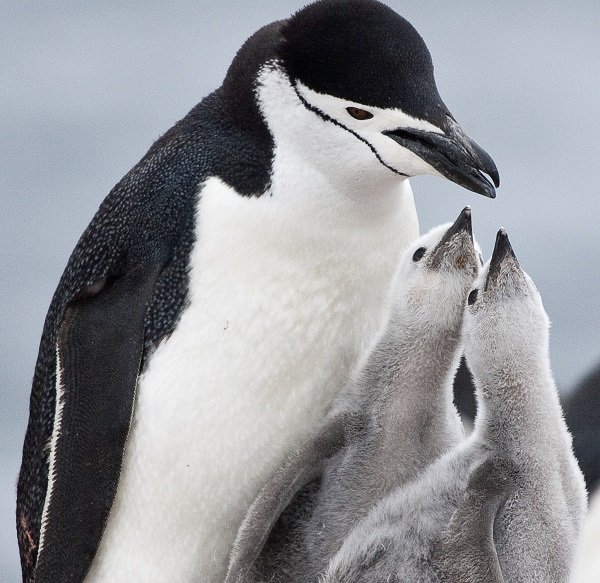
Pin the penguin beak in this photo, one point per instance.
(461, 226)
(503, 251)
(453, 154)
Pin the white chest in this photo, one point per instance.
(281, 308)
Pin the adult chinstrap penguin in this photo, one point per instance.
(210, 311)
(394, 419)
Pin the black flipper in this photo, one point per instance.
(466, 552)
(99, 347)
(299, 469)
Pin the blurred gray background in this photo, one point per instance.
(85, 88)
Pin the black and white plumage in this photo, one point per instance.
(271, 202)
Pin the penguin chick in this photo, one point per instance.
(507, 349)
(395, 418)
(401, 398)
(523, 530)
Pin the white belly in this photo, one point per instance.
(277, 320)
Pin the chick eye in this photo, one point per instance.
(473, 297)
(357, 113)
(418, 254)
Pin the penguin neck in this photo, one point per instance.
(516, 401)
(422, 365)
(238, 91)
(244, 135)
(297, 182)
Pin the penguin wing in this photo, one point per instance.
(99, 349)
(295, 473)
(120, 294)
(466, 552)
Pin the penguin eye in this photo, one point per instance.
(357, 113)
(418, 254)
(472, 297)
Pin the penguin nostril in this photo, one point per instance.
(358, 113)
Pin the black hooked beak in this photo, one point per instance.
(453, 154)
(502, 251)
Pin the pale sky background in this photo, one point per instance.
(85, 88)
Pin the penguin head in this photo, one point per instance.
(505, 318)
(436, 273)
(349, 85)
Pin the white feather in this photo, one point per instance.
(58, 410)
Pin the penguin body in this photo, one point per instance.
(219, 273)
